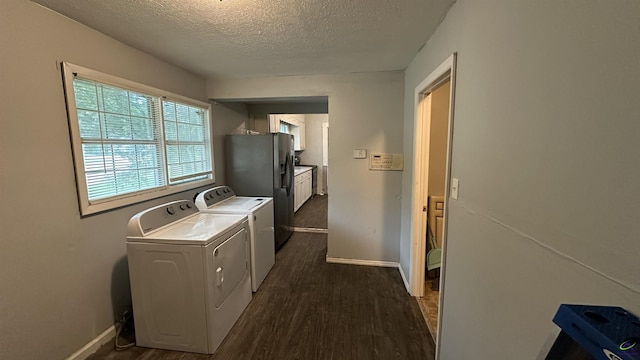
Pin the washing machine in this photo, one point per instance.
(189, 274)
(259, 212)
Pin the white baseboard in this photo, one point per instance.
(309, 230)
(404, 279)
(94, 344)
(361, 262)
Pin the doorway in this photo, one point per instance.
(325, 158)
(312, 213)
(434, 104)
(310, 188)
(436, 107)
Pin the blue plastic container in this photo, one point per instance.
(605, 332)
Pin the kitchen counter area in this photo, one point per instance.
(302, 185)
(300, 169)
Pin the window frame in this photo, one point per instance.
(89, 207)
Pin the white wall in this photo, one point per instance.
(312, 154)
(546, 149)
(61, 277)
(366, 113)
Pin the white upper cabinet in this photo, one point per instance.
(299, 136)
(291, 124)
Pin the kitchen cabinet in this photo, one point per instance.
(294, 125)
(302, 190)
(299, 138)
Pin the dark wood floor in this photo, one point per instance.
(313, 214)
(309, 309)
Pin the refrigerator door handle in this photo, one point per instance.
(291, 174)
(288, 174)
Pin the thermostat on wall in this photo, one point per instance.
(359, 153)
(386, 161)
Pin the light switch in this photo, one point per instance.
(454, 188)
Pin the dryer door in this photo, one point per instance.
(228, 266)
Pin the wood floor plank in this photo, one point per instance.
(313, 213)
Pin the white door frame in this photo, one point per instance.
(325, 155)
(446, 70)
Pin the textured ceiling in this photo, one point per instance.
(253, 38)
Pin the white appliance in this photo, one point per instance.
(189, 275)
(259, 211)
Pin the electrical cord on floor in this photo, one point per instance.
(125, 322)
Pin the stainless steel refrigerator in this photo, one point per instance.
(262, 165)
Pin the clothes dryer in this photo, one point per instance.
(189, 274)
(259, 211)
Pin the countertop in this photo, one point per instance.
(300, 169)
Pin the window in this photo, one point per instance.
(187, 153)
(132, 142)
(284, 127)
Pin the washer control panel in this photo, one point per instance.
(214, 195)
(154, 218)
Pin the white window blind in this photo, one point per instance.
(187, 155)
(121, 141)
(284, 127)
(132, 142)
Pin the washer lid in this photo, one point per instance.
(199, 229)
(240, 204)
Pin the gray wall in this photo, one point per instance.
(546, 149)
(366, 113)
(61, 277)
(227, 118)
